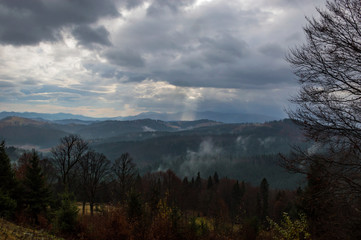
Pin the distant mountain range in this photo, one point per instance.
(65, 118)
(44, 134)
(214, 116)
(238, 150)
(47, 116)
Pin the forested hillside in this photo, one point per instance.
(242, 151)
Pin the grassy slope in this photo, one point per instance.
(11, 231)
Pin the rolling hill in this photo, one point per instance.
(242, 151)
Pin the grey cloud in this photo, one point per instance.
(53, 89)
(6, 84)
(28, 22)
(6, 77)
(208, 47)
(104, 70)
(242, 106)
(130, 4)
(218, 44)
(30, 82)
(223, 49)
(250, 77)
(87, 36)
(159, 6)
(272, 50)
(125, 58)
(51, 93)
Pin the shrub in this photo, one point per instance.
(111, 225)
(67, 215)
(288, 229)
(7, 205)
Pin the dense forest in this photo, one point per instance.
(79, 194)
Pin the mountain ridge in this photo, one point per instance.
(185, 116)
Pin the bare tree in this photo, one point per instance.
(125, 172)
(67, 155)
(329, 70)
(94, 170)
(328, 67)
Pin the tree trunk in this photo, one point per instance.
(91, 208)
(83, 208)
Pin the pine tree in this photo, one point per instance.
(236, 194)
(37, 194)
(210, 182)
(198, 181)
(236, 201)
(216, 178)
(8, 185)
(264, 192)
(67, 214)
(7, 176)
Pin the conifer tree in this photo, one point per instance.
(216, 178)
(37, 195)
(236, 201)
(7, 176)
(236, 194)
(209, 183)
(67, 214)
(264, 192)
(8, 184)
(198, 181)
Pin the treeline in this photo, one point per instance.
(79, 194)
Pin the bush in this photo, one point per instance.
(67, 215)
(111, 225)
(288, 229)
(7, 205)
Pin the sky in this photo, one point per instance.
(122, 57)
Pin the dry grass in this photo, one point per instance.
(97, 208)
(10, 231)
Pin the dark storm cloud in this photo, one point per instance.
(87, 36)
(28, 22)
